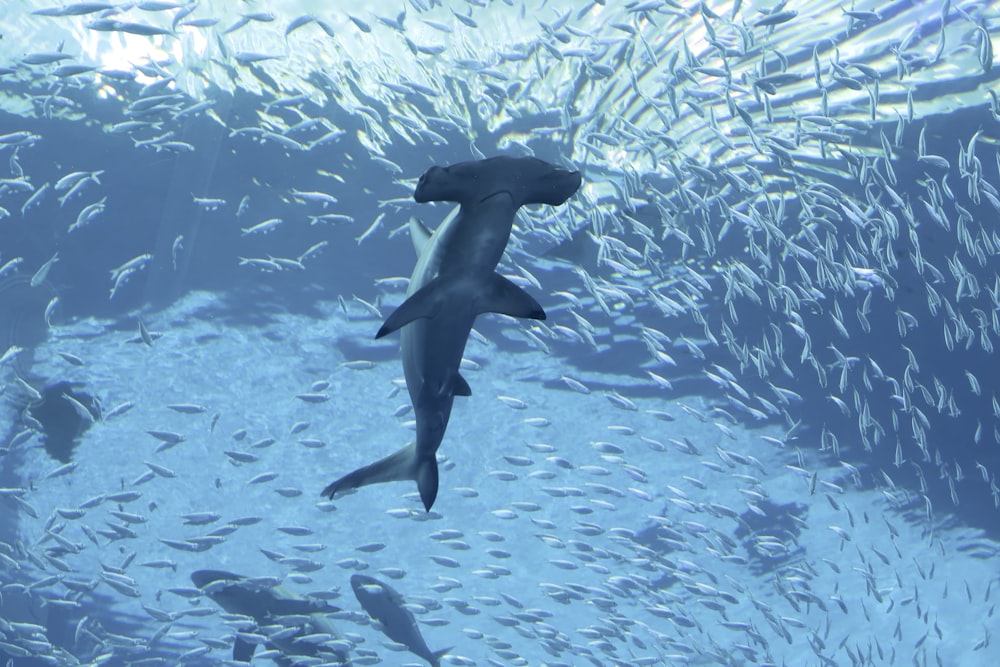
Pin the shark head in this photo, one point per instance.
(203, 578)
(526, 180)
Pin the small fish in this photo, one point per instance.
(175, 250)
(200, 518)
(262, 227)
(11, 352)
(263, 478)
(776, 18)
(208, 203)
(241, 457)
(82, 410)
(15, 138)
(315, 197)
(312, 250)
(167, 437)
(124, 497)
(50, 310)
(187, 408)
(119, 409)
(64, 469)
(183, 545)
(34, 199)
(160, 564)
(87, 214)
(298, 22)
(45, 58)
(136, 263)
(27, 388)
(252, 57)
(313, 397)
(360, 23)
(162, 471)
(10, 265)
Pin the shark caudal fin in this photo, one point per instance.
(398, 466)
(427, 481)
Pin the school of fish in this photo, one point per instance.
(779, 242)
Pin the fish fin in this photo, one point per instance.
(398, 466)
(425, 302)
(243, 651)
(503, 296)
(419, 234)
(461, 387)
(427, 481)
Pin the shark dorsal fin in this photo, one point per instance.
(419, 234)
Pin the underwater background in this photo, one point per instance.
(759, 425)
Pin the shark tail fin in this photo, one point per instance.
(398, 466)
(427, 481)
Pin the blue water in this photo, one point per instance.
(759, 425)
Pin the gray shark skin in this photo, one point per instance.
(384, 604)
(455, 280)
(267, 605)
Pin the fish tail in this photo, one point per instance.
(427, 480)
(398, 466)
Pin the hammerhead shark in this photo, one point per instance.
(455, 280)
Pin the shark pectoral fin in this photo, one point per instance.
(243, 651)
(461, 387)
(396, 467)
(503, 296)
(425, 302)
(427, 481)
